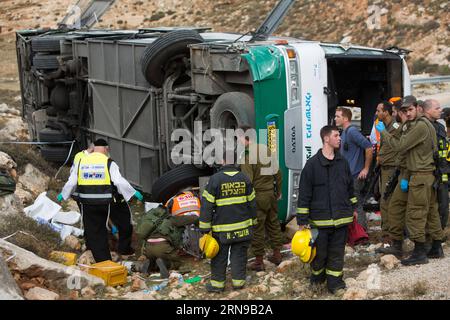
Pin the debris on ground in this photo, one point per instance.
(38, 293)
(389, 261)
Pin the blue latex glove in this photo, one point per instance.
(114, 230)
(139, 196)
(404, 185)
(60, 197)
(380, 126)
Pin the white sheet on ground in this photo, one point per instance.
(45, 211)
(43, 208)
(69, 217)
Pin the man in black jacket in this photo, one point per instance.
(228, 209)
(327, 202)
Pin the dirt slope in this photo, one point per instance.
(422, 26)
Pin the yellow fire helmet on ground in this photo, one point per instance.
(302, 244)
(208, 245)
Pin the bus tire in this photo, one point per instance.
(169, 46)
(171, 182)
(231, 110)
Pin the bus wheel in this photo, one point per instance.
(231, 110)
(167, 49)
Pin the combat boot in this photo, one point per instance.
(395, 249)
(436, 251)
(141, 266)
(419, 255)
(164, 272)
(258, 265)
(276, 258)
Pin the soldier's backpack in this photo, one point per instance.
(7, 184)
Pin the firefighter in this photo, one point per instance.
(432, 111)
(386, 159)
(160, 236)
(93, 182)
(327, 202)
(229, 211)
(419, 144)
(184, 203)
(266, 180)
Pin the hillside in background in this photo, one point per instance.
(421, 26)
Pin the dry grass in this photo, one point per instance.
(39, 239)
(24, 154)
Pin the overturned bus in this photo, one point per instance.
(135, 87)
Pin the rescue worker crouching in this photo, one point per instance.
(93, 181)
(229, 211)
(160, 236)
(184, 203)
(327, 202)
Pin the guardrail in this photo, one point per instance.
(428, 80)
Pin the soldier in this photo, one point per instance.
(386, 159)
(268, 192)
(229, 211)
(399, 195)
(421, 211)
(432, 111)
(160, 236)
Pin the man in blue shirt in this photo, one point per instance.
(358, 152)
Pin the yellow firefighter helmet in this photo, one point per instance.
(302, 245)
(209, 246)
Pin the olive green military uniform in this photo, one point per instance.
(387, 159)
(398, 202)
(159, 224)
(268, 189)
(421, 210)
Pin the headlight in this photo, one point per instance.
(294, 93)
(293, 66)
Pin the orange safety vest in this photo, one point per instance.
(184, 204)
(377, 136)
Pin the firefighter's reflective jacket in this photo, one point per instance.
(94, 182)
(442, 163)
(326, 198)
(228, 206)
